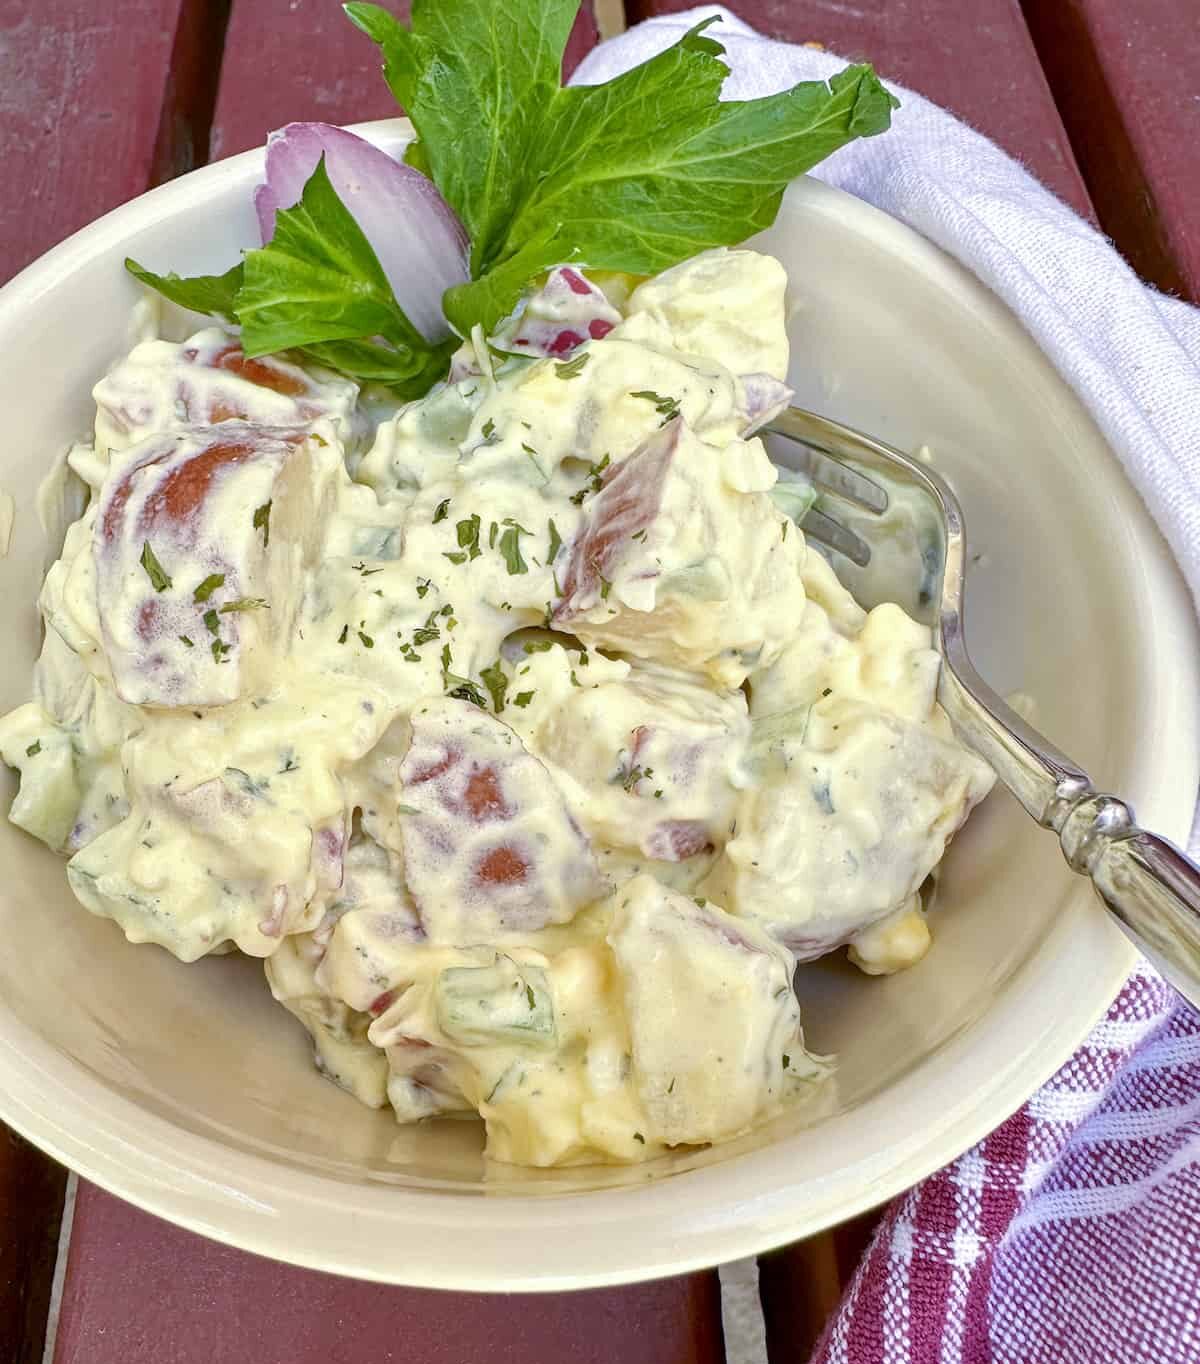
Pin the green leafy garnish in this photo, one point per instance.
(317, 287)
(635, 175)
(496, 681)
(185, 640)
(522, 699)
(160, 580)
(318, 280)
(34, 749)
(441, 511)
(212, 294)
(244, 604)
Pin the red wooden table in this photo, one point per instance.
(1100, 98)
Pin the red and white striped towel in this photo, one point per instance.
(1070, 1235)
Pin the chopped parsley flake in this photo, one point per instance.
(522, 699)
(529, 996)
(244, 604)
(344, 635)
(538, 646)
(423, 586)
(159, 579)
(262, 521)
(212, 621)
(446, 658)
(442, 510)
(367, 641)
(365, 571)
(468, 535)
(510, 548)
(572, 369)
(555, 542)
(187, 641)
(456, 556)
(665, 407)
(489, 429)
(219, 650)
(34, 749)
(463, 689)
(208, 586)
(605, 587)
(496, 681)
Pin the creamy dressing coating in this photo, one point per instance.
(524, 740)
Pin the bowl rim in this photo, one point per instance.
(744, 1205)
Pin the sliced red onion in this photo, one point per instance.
(414, 232)
(763, 397)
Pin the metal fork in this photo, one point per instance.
(1147, 884)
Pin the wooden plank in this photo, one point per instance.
(140, 1291)
(801, 1285)
(31, 1194)
(323, 69)
(82, 91)
(1126, 77)
(976, 59)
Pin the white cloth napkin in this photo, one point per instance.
(1130, 353)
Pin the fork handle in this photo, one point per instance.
(1147, 884)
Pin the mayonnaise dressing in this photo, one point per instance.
(522, 738)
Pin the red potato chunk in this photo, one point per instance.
(653, 760)
(209, 379)
(713, 1024)
(489, 844)
(564, 313)
(683, 559)
(200, 545)
(626, 506)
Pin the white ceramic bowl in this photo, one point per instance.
(187, 1091)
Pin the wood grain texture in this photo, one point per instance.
(82, 88)
(975, 57)
(31, 1195)
(140, 1291)
(321, 67)
(801, 1286)
(1127, 80)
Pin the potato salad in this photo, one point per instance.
(514, 728)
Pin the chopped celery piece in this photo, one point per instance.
(507, 1001)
